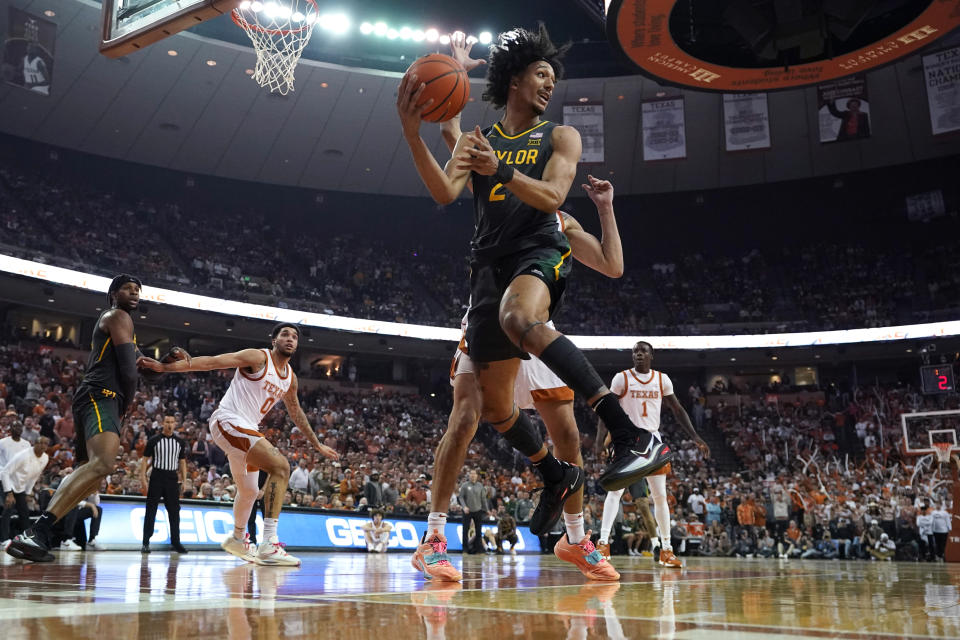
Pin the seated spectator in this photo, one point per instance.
(884, 549)
(376, 532)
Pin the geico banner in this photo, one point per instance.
(68, 277)
(122, 525)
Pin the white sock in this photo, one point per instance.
(661, 513)
(611, 507)
(436, 520)
(654, 543)
(574, 524)
(269, 529)
(238, 532)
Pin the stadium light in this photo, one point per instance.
(380, 29)
(366, 28)
(486, 37)
(392, 34)
(444, 39)
(431, 34)
(406, 33)
(336, 23)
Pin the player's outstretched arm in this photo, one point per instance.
(253, 359)
(606, 254)
(681, 415)
(546, 194)
(444, 185)
(292, 402)
(459, 51)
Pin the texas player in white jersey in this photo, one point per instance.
(263, 377)
(643, 391)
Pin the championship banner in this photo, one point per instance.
(664, 131)
(207, 525)
(844, 111)
(941, 74)
(588, 120)
(746, 121)
(28, 51)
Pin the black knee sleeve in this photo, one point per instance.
(571, 366)
(524, 436)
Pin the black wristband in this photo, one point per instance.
(504, 172)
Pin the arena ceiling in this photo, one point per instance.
(338, 130)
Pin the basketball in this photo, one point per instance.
(447, 84)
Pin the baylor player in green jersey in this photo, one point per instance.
(99, 404)
(519, 260)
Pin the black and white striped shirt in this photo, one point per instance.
(166, 452)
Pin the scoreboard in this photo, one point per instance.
(936, 378)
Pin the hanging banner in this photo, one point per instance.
(664, 133)
(921, 207)
(746, 121)
(588, 120)
(844, 111)
(28, 51)
(941, 74)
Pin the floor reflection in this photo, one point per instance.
(209, 595)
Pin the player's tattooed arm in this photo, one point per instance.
(299, 418)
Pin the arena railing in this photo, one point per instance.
(195, 302)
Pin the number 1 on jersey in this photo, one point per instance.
(644, 408)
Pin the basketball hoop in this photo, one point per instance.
(943, 450)
(279, 34)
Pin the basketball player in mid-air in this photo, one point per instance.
(99, 405)
(263, 377)
(521, 170)
(642, 392)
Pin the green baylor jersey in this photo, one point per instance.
(103, 367)
(502, 223)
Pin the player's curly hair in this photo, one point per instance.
(513, 51)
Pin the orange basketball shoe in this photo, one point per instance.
(604, 549)
(667, 559)
(586, 558)
(431, 558)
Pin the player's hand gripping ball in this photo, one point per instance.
(446, 84)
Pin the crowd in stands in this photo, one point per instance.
(818, 479)
(264, 260)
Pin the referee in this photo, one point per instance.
(167, 452)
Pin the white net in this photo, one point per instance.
(279, 33)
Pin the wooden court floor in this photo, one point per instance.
(210, 595)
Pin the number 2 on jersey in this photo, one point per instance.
(269, 402)
(497, 197)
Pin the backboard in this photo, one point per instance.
(921, 431)
(130, 25)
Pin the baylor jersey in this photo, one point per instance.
(502, 223)
(102, 365)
